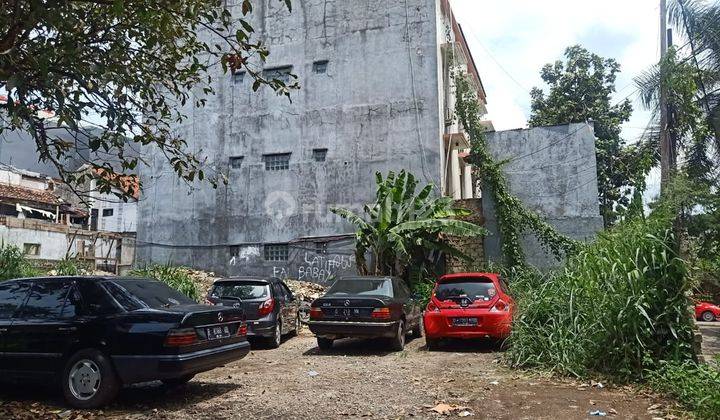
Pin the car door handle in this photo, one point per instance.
(67, 328)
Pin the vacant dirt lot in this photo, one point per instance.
(356, 379)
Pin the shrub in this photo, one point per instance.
(616, 308)
(695, 386)
(14, 264)
(176, 277)
(69, 267)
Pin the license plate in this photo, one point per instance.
(465, 321)
(346, 312)
(213, 333)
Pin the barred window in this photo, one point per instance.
(320, 66)
(319, 155)
(234, 250)
(277, 162)
(276, 252)
(280, 73)
(236, 161)
(239, 77)
(321, 247)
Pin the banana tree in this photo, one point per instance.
(403, 226)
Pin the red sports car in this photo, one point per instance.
(706, 311)
(468, 305)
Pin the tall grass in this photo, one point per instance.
(14, 264)
(615, 309)
(176, 277)
(695, 386)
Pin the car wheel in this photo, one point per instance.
(397, 343)
(324, 343)
(88, 380)
(276, 338)
(708, 316)
(432, 343)
(177, 382)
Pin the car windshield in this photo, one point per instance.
(475, 289)
(243, 291)
(135, 294)
(374, 287)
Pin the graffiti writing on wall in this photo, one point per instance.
(317, 268)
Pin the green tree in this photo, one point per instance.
(402, 227)
(580, 90)
(126, 67)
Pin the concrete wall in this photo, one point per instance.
(363, 110)
(53, 245)
(553, 171)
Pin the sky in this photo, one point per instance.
(512, 39)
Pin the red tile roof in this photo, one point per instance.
(14, 192)
(129, 184)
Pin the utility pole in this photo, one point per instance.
(665, 142)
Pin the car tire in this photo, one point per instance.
(324, 343)
(177, 382)
(397, 343)
(276, 339)
(707, 316)
(89, 380)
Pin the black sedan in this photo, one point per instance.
(366, 307)
(270, 307)
(92, 335)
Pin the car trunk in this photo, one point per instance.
(213, 325)
(350, 308)
(245, 294)
(250, 306)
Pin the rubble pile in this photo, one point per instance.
(203, 279)
(305, 290)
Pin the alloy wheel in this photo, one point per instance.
(708, 316)
(84, 379)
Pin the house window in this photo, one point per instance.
(277, 162)
(238, 77)
(280, 73)
(276, 252)
(31, 249)
(236, 161)
(107, 212)
(320, 67)
(321, 247)
(235, 251)
(319, 155)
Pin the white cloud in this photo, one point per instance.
(512, 39)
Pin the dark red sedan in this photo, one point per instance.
(468, 305)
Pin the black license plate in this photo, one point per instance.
(347, 312)
(214, 333)
(464, 322)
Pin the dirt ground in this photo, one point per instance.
(356, 379)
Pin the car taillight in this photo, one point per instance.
(181, 337)
(500, 306)
(266, 307)
(316, 313)
(242, 329)
(209, 302)
(432, 307)
(381, 313)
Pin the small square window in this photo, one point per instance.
(321, 247)
(320, 67)
(31, 249)
(319, 155)
(280, 73)
(235, 250)
(238, 77)
(107, 212)
(236, 161)
(276, 252)
(277, 162)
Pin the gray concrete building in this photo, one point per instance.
(376, 96)
(553, 171)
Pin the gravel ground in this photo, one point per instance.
(356, 379)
